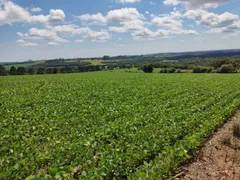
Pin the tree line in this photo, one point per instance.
(41, 70)
(223, 65)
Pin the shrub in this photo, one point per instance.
(199, 69)
(209, 70)
(147, 68)
(13, 71)
(3, 71)
(40, 71)
(21, 71)
(172, 70)
(31, 71)
(226, 68)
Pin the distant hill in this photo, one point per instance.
(199, 54)
(99, 61)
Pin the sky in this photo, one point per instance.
(47, 29)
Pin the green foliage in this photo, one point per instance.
(171, 70)
(54, 70)
(178, 71)
(164, 70)
(40, 71)
(106, 57)
(147, 68)
(3, 71)
(226, 68)
(21, 71)
(108, 125)
(31, 71)
(13, 71)
(199, 69)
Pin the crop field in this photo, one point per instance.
(108, 125)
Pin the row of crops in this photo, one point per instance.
(108, 125)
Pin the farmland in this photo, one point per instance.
(108, 124)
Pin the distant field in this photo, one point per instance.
(94, 62)
(171, 61)
(107, 125)
(98, 62)
(27, 64)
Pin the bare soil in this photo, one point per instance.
(219, 157)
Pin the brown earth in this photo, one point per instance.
(219, 157)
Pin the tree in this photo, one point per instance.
(226, 68)
(106, 57)
(13, 71)
(200, 69)
(55, 70)
(40, 71)
(21, 70)
(171, 70)
(3, 71)
(219, 62)
(49, 71)
(147, 68)
(31, 71)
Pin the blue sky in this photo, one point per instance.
(90, 28)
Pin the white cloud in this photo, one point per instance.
(56, 15)
(51, 34)
(166, 22)
(200, 39)
(45, 34)
(152, 3)
(171, 2)
(118, 15)
(127, 1)
(196, 3)
(13, 13)
(124, 14)
(119, 45)
(233, 28)
(117, 29)
(128, 26)
(39, 19)
(226, 22)
(178, 30)
(133, 25)
(170, 25)
(176, 14)
(37, 9)
(147, 12)
(98, 36)
(53, 43)
(70, 29)
(147, 34)
(96, 18)
(42, 34)
(22, 42)
(79, 40)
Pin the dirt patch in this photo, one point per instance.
(219, 158)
